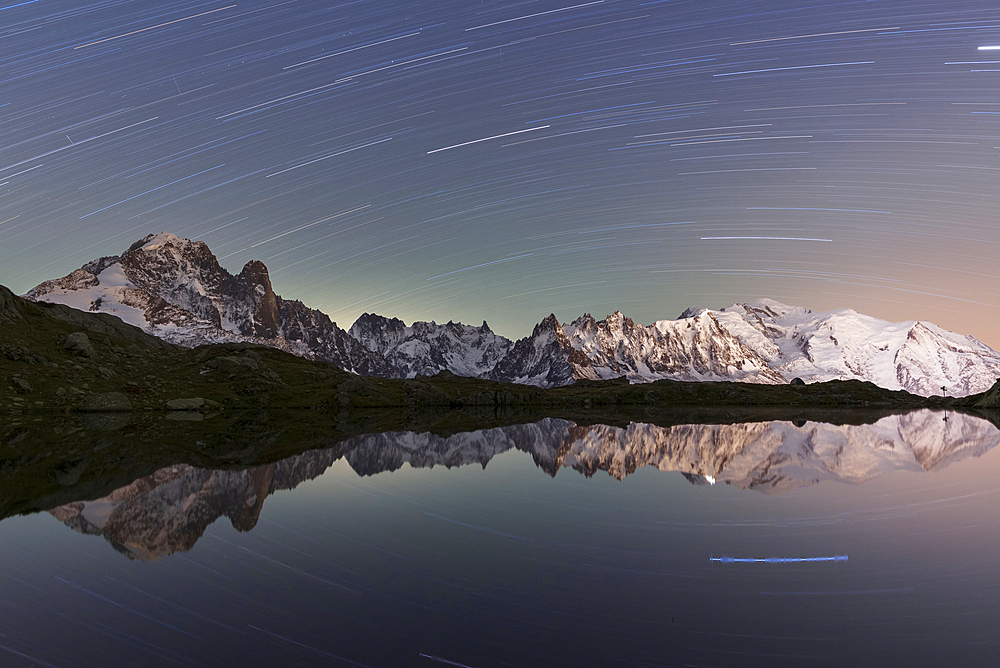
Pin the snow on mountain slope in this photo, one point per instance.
(918, 357)
(425, 348)
(547, 358)
(109, 291)
(698, 348)
(761, 342)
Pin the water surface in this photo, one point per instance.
(551, 543)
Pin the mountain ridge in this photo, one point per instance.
(175, 289)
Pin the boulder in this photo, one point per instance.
(78, 344)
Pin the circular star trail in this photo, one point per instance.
(504, 160)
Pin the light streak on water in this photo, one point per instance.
(775, 560)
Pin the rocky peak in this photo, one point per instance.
(919, 332)
(167, 248)
(547, 358)
(164, 262)
(371, 321)
(256, 289)
(585, 325)
(548, 324)
(617, 322)
(255, 273)
(151, 241)
(426, 348)
(377, 333)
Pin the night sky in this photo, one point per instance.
(503, 160)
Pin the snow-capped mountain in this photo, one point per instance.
(696, 348)
(175, 289)
(918, 357)
(760, 342)
(547, 358)
(425, 348)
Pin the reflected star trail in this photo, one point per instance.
(454, 161)
(776, 560)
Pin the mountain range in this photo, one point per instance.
(168, 511)
(176, 289)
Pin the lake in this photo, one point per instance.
(550, 543)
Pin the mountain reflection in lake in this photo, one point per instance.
(376, 563)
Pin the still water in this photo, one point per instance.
(542, 544)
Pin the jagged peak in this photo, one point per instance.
(621, 318)
(617, 317)
(548, 324)
(255, 266)
(255, 273)
(919, 329)
(368, 319)
(256, 270)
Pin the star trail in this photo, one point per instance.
(503, 160)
